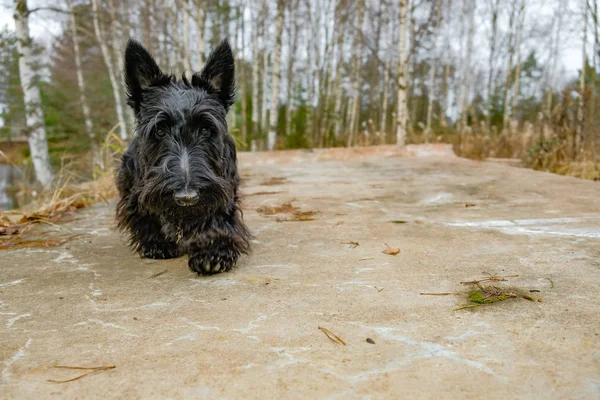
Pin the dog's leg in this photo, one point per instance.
(218, 250)
(152, 242)
(147, 239)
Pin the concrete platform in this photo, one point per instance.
(253, 333)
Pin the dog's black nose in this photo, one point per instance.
(186, 198)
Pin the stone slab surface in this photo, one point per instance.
(253, 333)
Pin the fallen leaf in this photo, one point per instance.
(285, 208)
(276, 180)
(369, 340)
(392, 251)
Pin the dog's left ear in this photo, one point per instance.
(140, 72)
(219, 74)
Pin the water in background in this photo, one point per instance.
(7, 174)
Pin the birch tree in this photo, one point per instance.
(512, 25)
(495, 11)
(187, 54)
(200, 22)
(293, 47)
(356, 77)
(255, 79)
(584, 66)
(402, 111)
(34, 119)
(517, 77)
(337, 84)
(432, 68)
(111, 72)
(470, 11)
(275, 76)
(80, 81)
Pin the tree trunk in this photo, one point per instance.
(581, 109)
(445, 83)
(290, 67)
(402, 112)
(36, 130)
(119, 59)
(517, 77)
(187, 54)
(468, 72)
(337, 106)
(243, 78)
(255, 80)
(386, 79)
(512, 25)
(89, 128)
(493, 39)
(356, 76)
(275, 76)
(200, 39)
(432, 71)
(111, 73)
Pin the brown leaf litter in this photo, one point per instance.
(16, 225)
(285, 208)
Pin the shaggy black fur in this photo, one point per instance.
(178, 180)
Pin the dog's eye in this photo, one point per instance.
(161, 133)
(204, 132)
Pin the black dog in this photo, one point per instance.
(178, 180)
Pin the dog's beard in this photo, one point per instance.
(157, 194)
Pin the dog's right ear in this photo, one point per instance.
(140, 71)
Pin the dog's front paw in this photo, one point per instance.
(213, 260)
(159, 251)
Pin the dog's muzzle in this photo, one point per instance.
(186, 198)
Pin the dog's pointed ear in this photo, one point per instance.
(140, 71)
(219, 74)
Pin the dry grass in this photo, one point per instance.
(70, 194)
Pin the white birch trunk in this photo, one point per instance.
(187, 56)
(512, 25)
(356, 77)
(89, 128)
(119, 60)
(517, 78)
(265, 88)
(290, 69)
(495, 4)
(111, 73)
(386, 82)
(255, 83)
(337, 85)
(468, 72)
(432, 71)
(581, 109)
(402, 111)
(275, 77)
(38, 143)
(200, 40)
